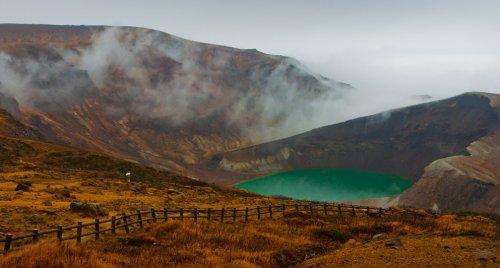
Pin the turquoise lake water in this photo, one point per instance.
(328, 184)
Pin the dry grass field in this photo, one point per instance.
(292, 240)
(59, 175)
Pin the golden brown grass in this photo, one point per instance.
(416, 251)
(289, 240)
(92, 177)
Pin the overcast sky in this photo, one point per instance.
(390, 50)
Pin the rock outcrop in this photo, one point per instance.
(89, 209)
(461, 182)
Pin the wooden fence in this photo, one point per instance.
(125, 221)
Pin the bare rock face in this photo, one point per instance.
(461, 182)
(11, 127)
(151, 97)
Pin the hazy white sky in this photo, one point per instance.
(385, 48)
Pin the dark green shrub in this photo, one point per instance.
(330, 233)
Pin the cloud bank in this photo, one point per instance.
(168, 82)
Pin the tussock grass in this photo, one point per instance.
(286, 241)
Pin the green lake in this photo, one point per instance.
(328, 184)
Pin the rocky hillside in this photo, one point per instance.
(151, 97)
(39, 182)
(11, 127)
(449, 148)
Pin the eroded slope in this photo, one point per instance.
(466, 182)
(151, 97)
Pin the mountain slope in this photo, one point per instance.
(47, 160)
(469, 182)
(450, 148)
(151, 97)
(39, 181)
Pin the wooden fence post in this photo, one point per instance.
(8, 243)
(125, 223)
(79, 227)
(113, 225)
(139, 218)
(153, 215)
(79, 232)
(96, 233)
(165, 214)
(59, 233)
(35, 235)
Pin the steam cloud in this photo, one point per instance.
(174, 82)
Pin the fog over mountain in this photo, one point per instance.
(273, 100)
(155, 98)
(391, 51)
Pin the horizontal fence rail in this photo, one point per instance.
(138, 218)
